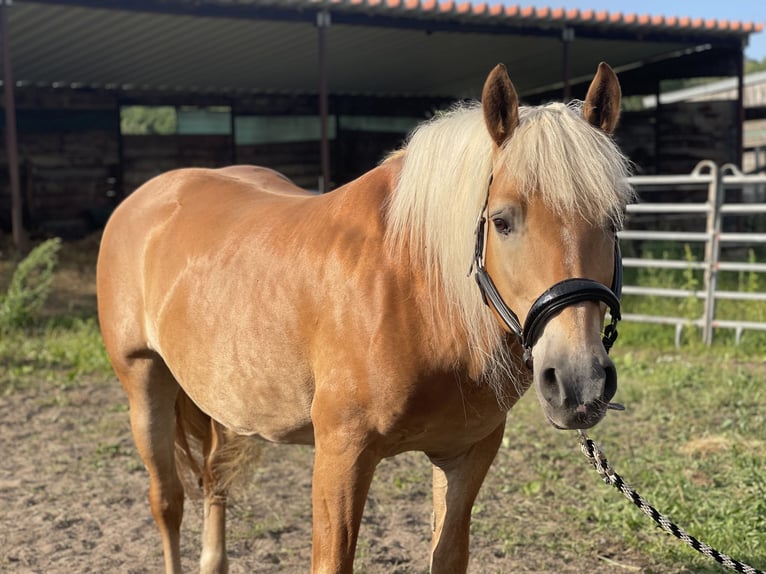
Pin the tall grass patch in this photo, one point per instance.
(30, 286)
(37, 349)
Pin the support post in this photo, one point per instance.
(233, 131)
(712, 251)
(658, 128)
(323, 22)
(11, 137)
(740, 106)
(567, 37)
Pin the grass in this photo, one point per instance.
(692, 442)
(690, 307)
(55, 352)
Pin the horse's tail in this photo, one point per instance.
(208, 454)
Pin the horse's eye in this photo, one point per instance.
(502, 226)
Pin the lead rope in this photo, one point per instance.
(597, 458)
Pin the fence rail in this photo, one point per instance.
(714, 182)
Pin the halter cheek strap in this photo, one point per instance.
(561, 295)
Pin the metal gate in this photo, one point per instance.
(717, 238)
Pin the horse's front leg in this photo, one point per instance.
(343, 470)
(456, 482)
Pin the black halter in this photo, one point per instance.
(551, 302)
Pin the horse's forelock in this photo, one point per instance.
(576, 169)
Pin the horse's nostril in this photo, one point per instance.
(549, 386)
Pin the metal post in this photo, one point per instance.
(323, 22)
(712, 250)
(567, 37)
(233, 131)
(740, 106)
(11, 137)
(657, 128)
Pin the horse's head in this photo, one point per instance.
(550, 239)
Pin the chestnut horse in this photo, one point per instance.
(233, 304)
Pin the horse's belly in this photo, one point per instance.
(278, 411)
(252, 396)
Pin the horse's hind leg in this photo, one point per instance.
(152, 392)
(456, 482)
(213, 558)
(225, 457)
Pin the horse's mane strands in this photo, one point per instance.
(443, 183)
(441, 188)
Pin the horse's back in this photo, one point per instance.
(206, 204)
(182, 211)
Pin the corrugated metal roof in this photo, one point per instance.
(402, 47)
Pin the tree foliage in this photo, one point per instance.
(148, 120)
(752, 66)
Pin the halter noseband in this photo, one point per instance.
(563, 294)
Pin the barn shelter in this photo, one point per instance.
(319, 89)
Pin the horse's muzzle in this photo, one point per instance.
(576, 395)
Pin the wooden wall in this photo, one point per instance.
(69, 158)
(75, 165)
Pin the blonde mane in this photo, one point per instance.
(574, 168)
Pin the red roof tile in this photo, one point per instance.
(564, 16)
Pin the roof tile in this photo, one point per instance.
(500, 11)
(479, 9)
(464, 8)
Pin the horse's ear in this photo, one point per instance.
(500, 104)
(602, 103)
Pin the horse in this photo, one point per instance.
(406, 310)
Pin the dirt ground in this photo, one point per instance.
(73, 493)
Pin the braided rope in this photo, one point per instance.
(597, 458)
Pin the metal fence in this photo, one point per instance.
(703, 199)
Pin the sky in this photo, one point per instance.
(742, 10)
